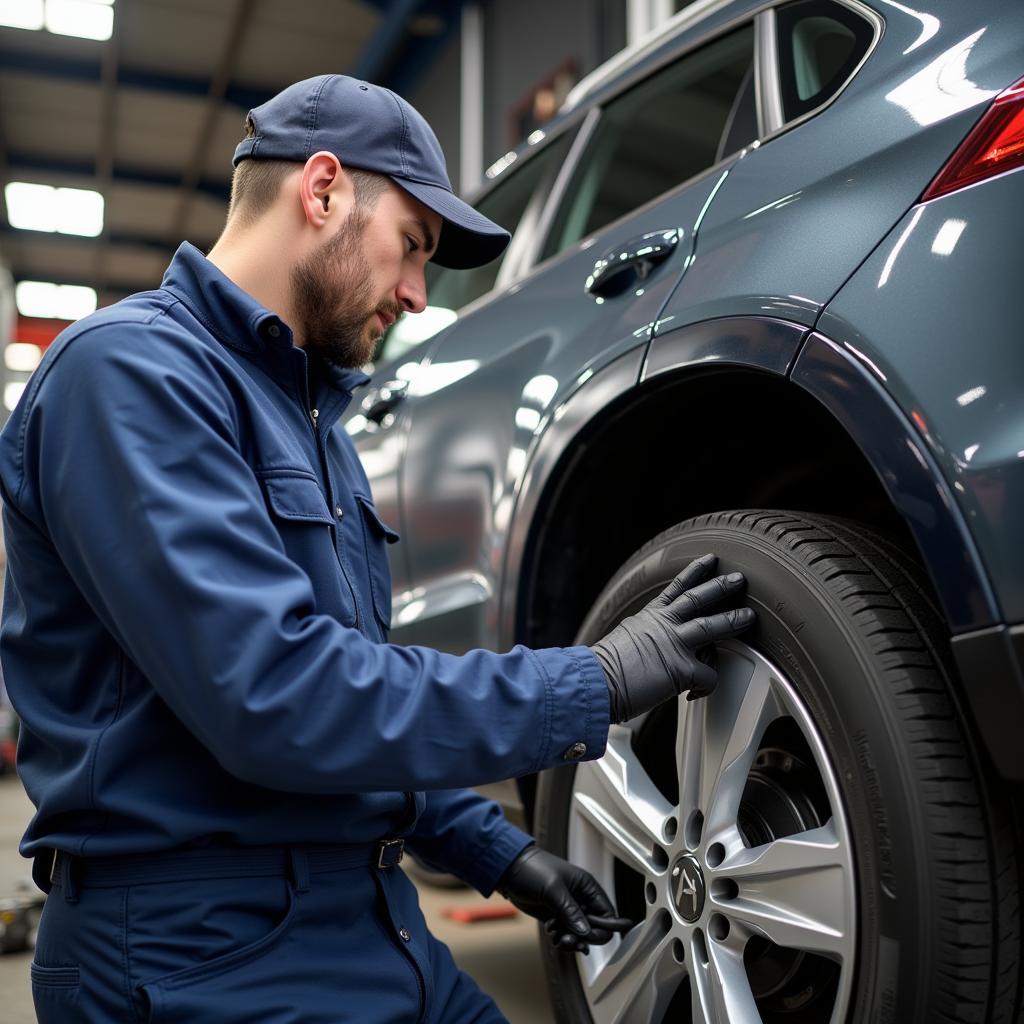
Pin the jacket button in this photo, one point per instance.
(274, 331)
(575, 752)
(404, 935)
(339, 511)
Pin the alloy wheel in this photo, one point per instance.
(719, 827)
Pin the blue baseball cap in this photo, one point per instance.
(369, 127)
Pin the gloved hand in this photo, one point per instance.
(653, 655)
(567, 898)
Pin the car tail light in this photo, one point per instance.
(995, 144)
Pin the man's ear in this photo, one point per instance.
(325, 192)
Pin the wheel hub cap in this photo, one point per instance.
(688, 889)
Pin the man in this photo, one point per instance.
(226, 756)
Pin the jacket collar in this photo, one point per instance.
(235, 317)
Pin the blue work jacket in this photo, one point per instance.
(197, 603)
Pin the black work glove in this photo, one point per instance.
(568, 899)
(657, 653)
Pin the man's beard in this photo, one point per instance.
(332, 289)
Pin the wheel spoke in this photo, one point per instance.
(691, 756)
(720, 990)
(795, 891)
(741, 708)
(638, 980)
(617, 797)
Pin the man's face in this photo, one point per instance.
(362, 278)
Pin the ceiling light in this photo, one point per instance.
(87, 19)
(12, 393)
(21, 13)
(21, 356)
(60, 301)
(71, 211)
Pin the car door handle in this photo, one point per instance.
(622, 268)
(382, 400)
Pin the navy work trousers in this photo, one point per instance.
(303, 946)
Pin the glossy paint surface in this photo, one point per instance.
(491, 388)
(935, 315)
(740, 341)
(798, 214)
(841, 381)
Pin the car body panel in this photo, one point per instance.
(756, 342)
(798, 214)
(955, 367)
(839, 379)
(589, 402)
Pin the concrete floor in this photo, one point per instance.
(502, 956)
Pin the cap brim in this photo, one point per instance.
(468, 239)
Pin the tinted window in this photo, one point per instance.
(504, 205)
(820, 43)
(660, 133)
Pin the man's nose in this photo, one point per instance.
(412, 292)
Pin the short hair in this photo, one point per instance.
(256, 184)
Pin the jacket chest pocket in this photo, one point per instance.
(307, 530)
(377, 535)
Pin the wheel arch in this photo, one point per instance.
(597, 486)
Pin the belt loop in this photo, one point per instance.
(298, 864)
(66, 865)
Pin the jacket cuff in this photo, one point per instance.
(578, 712)
(494, 859)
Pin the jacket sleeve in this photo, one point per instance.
(128, 453)
(464, 833)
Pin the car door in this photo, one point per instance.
(618, 232)
(379, 423)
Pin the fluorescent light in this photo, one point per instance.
(79, 211)
(30, 206)
(83, 18)
(12, 393)
(87, 19)
(59, 301)
(21, 356)
(21, 13)
(71, 211)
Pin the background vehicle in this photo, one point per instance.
(784, 238)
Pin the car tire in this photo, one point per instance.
(829, 796)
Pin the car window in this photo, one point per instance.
(820, 43)
(663, 131)
(449, 290)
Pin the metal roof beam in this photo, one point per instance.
(114, 238)
(43, 165)
(79, 70)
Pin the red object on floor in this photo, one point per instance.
(484, 912)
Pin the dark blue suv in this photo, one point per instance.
(761, 299)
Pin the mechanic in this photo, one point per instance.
(226, 756)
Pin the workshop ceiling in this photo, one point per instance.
(150, 117)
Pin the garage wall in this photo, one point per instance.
(518, 57)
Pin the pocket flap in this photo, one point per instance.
(374, 519)
(296, 497)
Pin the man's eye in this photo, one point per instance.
(413, 244)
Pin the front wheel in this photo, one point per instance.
(818, 841)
